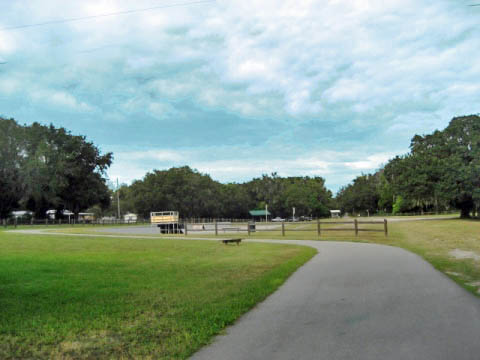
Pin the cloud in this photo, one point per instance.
(298, 87)
(244, 163)
(371, 162)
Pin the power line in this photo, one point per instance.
(126, 12)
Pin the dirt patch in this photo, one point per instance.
(463, 254)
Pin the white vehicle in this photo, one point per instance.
(278, 219)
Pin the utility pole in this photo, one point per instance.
(118, 200)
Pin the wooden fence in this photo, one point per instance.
(356, 227)
(217, 227)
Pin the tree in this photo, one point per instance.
(196, 195)
(361, 196)
(308, 196)
(63, 171)
(182, 189)
(10, 164)
(442, 168)
(43, 167)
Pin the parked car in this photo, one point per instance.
(278, 219)
(292, 219)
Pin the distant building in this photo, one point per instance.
(21, 213)
(259, 214)
(86, 217)
(335, 213)
(52, 214)
(130, 217)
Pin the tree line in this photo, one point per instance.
(47, 168)
(194, 194)
(44, 167)
(440, 172)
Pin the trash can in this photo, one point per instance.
(251, 227)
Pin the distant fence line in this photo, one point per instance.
(222, 224)
(251, 227)
(19, 221)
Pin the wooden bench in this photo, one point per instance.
(227, 241)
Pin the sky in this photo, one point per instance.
(237, 89)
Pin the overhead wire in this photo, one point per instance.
(125, 12)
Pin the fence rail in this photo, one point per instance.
(225, 226)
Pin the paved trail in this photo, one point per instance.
(356, 301)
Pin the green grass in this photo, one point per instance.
(72, 297)
(432, 239)
(78, 297)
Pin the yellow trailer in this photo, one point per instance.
(167, 221)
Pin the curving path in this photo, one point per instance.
(357, 301)
(354, 301)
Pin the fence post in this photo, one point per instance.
(216, 228)
(248, 227)
(318, 227)
(356, 227)
(385, 226)
(283, 228)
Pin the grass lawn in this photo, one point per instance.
(71, 297)
(433, 239)
(79, 297)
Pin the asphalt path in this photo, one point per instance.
(357, 301)
(354, 301)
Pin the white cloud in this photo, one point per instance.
(335, 166)
(156, 155)
(9, 85)
(291, 79)
(7, 44)
(64, 99)
(372, 162)
(60, 99)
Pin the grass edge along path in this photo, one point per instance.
(431, 237)
(49, 283)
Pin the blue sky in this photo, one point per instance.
(236, 89)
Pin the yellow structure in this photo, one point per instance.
(86, 217)
(167, 221)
